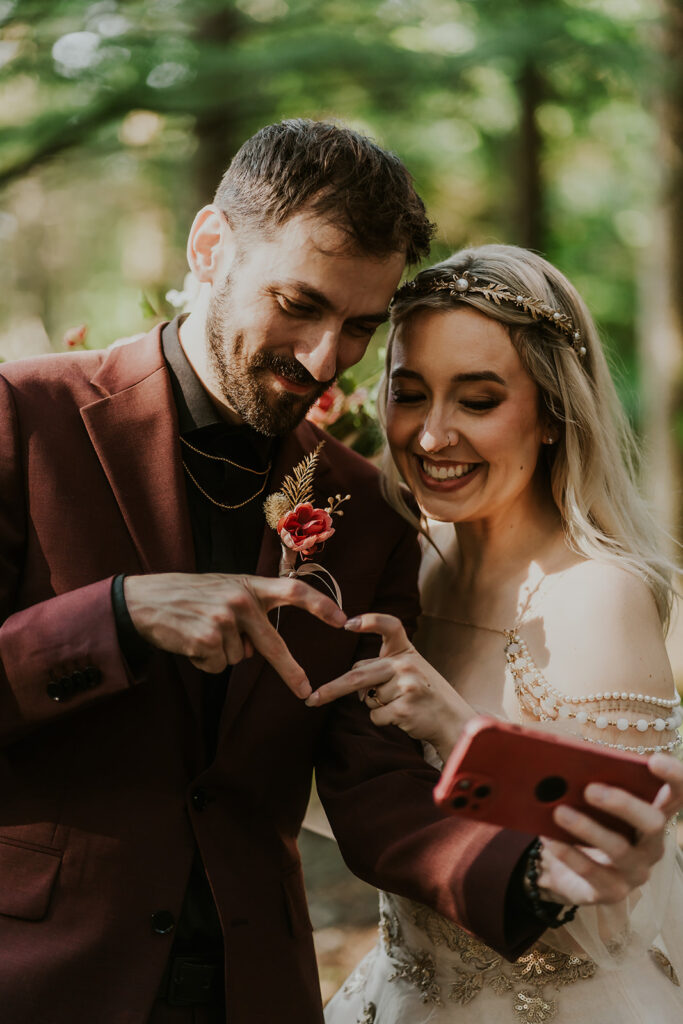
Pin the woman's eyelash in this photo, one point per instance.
(406, 396)
(483, 403)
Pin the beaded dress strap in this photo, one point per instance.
(646, 715)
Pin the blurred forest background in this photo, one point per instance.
(555, 124)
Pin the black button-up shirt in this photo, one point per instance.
(226, 540)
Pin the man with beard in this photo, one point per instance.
(157, 750)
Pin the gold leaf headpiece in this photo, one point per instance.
(459, 284)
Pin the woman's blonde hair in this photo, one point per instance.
(592, 468)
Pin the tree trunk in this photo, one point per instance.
(661, 295)
(530, 199)
(215, 129)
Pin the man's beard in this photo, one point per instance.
(243, 384)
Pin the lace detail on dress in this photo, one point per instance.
(663, 962)
(417, 967)
(524, 980)
(601, 716)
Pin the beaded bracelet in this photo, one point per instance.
(541, 908)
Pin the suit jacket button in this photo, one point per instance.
(93, 675)
(163, 922)
(200, 799)
(80, 681)
(55, 690)
(68, 684)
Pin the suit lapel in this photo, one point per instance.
(134, 431)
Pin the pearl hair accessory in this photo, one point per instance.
(461, 283)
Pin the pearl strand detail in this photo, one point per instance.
(547, 703)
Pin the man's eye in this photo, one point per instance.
(295, 308)
(361, 330)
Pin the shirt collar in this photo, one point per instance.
(195, 408)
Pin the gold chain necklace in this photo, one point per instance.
(221, 458)
(221, 504)
(504, 632)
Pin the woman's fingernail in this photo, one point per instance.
(353, 623)
(313, 700)
(595, 791)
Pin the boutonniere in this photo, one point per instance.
(302, 528)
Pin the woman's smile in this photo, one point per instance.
(445, 474)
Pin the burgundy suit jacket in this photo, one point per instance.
(98, 769)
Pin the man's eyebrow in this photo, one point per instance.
(459, 378)
(322, 300)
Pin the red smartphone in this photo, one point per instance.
(507, 775)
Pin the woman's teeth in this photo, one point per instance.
(447, 473)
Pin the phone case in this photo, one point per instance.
(507, 775)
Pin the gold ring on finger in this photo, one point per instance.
(372, 694)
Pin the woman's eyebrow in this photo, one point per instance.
(459, 378)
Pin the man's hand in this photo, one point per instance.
(216, 619)
(607, 867)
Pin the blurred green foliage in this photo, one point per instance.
(529, 123)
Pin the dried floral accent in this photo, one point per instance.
(302, 528)
(298, 486)
(275, 507)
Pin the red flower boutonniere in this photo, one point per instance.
(302, 528)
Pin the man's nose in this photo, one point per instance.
(319, 354)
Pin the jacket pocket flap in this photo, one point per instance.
(27, 875)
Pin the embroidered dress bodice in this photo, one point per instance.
(612, 965)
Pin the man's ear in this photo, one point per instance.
(210, 245)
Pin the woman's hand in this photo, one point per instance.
(400, 687)
(606, 867)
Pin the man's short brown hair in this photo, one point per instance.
(336, 173)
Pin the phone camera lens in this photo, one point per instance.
(550, 789)
(460, 801)
(464, 783)
(482, 791)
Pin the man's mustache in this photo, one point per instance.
(290, 368)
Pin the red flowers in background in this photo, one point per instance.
(75, 337)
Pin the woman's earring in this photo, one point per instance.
(548, 440)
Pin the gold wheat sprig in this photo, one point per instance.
(298, 487)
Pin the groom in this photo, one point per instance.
(156, 749)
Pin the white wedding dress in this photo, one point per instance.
(621, 964)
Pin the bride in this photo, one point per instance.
(545, 604)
